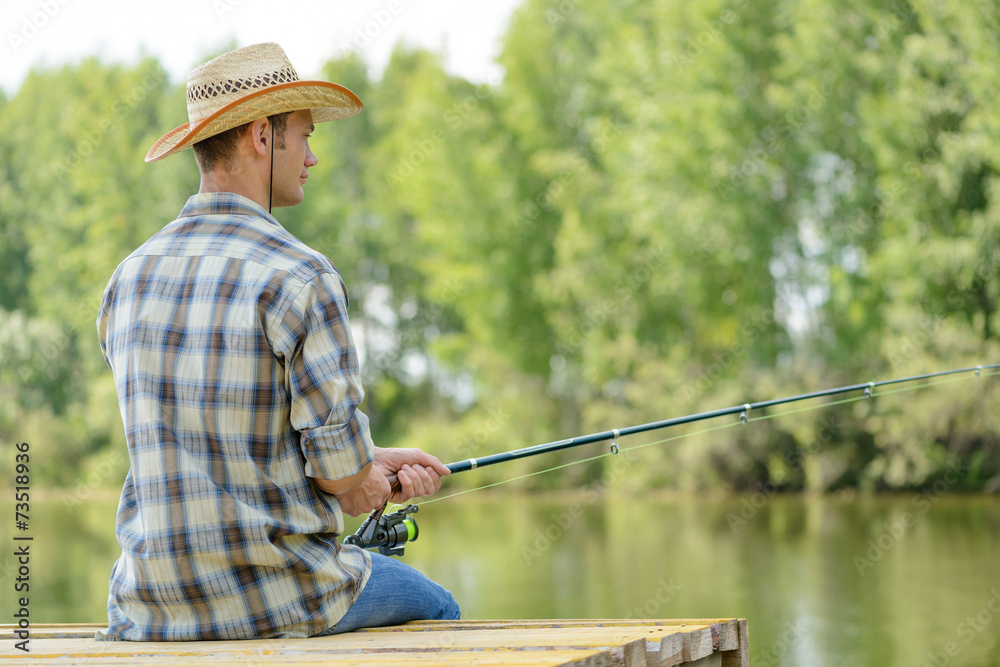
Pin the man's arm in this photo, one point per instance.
(313, 341)
(418, 472)
(345, 485)
(360, 493)
(323, 382)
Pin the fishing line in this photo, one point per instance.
(573, 463)
(986, 372)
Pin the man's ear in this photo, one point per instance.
(260, 136)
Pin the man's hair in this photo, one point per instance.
(220, 150)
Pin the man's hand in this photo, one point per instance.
(370, 495)
(418, 472)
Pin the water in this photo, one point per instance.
(902, 580)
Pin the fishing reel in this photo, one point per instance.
(386, 532)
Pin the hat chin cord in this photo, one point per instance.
(270, 177)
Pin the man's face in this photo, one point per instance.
(292, 160)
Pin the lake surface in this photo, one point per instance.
(903, 580)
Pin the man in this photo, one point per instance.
(238, 385)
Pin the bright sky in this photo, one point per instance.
(181, 33)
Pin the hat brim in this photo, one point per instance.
(328, 101)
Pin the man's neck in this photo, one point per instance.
(222, 181)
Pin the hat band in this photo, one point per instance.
(203, 91)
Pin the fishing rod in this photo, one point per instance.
(389, 532)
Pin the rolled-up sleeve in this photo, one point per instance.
(322, 374)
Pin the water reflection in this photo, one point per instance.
(824, 581)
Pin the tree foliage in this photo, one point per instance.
(662, 208)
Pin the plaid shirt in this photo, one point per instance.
(237, 379)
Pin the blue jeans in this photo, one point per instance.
(396, 593)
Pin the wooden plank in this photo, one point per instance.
(741, 656)
(725, 635)
(612, 648)
(725, 631)
(729, 635)
(524, 638)
(500, 658)
(667, 653)
(632, 654)
(728, 628)
(630, 642)
(562, 622)
(60, 630)
(697, 644)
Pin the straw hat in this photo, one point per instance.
(246, 84)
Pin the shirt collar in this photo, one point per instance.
(224, 203)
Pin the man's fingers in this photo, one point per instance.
(392, 459)
(415, 481)
(431, 461)
(430, 481)
(418, 457)
(405, 484)
(418, 473)
(434, 478)
(418, 486)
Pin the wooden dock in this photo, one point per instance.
(579, 643)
